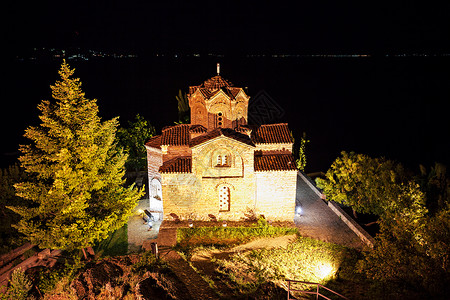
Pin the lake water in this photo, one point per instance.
(382, 106)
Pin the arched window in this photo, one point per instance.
(223, 161)
(156, 189)
(224, 198)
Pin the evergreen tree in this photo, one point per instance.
(75, 196)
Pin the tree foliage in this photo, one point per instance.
(19, 286)
(413, 244)
(183, 108)
(74, 195)
(132, 139)
(301, 161)
(368, 185)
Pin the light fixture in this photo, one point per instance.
(224, 224)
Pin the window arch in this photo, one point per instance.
(156, 189)
(224, 198)
(223, 160)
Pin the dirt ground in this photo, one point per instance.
(202, 261)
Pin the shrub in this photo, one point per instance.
(19, 286)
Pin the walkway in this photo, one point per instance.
(198, 288)
(318, 221)
(138, 230)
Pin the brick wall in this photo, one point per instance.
(177, 151)
(154, 161)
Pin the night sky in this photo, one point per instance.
(399, 98)
(232, 27)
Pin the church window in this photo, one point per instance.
(219, 119)
(223, 161)
(224, 198)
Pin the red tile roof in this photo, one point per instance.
(154, 142)
(274, 162)
(197, 129)
(177, 135)
(243, 138)
(177, 165)
(212, 86)
(216, 82)
(272, 134)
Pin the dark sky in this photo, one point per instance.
(231, 27)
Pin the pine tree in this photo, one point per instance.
(76, 195)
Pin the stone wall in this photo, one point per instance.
(355, 227)
(275, 194)
(269, 147)
(196, 195)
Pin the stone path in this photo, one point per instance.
(138, 231)
(196, 285)
(318, 221)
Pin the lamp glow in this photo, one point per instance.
(324, 270)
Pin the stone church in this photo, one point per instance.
(219, 164)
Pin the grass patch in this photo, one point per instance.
(305, 260)
(115, 245)
(223, 236)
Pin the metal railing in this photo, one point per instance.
(316, 292)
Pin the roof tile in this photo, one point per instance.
(177, 135)
(274, 162)
(272, 134)
(154, 142)
(177, 165)
(243, 138)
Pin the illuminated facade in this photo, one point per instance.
(219, 165)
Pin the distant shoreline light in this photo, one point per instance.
(87, 54)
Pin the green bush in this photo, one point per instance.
(305, 260)
(19, 286)
(148, 262)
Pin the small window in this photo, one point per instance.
(223, 161)
(219, 114)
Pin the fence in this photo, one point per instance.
(316, 292)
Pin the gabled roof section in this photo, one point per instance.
(177, 165)
(230, 133)
(197, 129)
(154, 142)
(274, 162)
(212, 86)
(177, 135)
(272, 134)
(216, 83)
